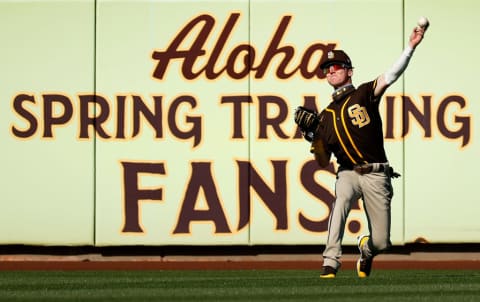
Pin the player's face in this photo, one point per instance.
(337, 75)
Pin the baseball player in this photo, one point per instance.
(351, 128)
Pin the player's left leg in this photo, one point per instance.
(377, 196)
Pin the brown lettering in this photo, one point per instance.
(275, 199)
(307, 177)
(48, 117)
(237, 101)
(120, 117)
(244, 52)
(222, 39)
(275, 49)
(390, 117)
(264, 102)
(248, 60)
(18, 102)
(189, 56)
(464, 121)
(424, 119)
(425, 116)
(153, 118)
(201, 179)
(133, 194)
(101, 112)
(316, 71)
(195, 131)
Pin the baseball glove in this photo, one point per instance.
(307, 120)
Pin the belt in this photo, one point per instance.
(369, 168)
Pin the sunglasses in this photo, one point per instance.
(333, 67)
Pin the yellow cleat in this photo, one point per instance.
(364, 264)
(328, 272)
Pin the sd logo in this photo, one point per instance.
(358, 115)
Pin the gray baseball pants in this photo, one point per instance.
(376, 191)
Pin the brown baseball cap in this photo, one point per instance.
(336, 56)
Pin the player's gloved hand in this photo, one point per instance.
(307, 121)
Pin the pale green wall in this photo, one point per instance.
(69, 189)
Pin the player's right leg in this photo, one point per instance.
(346, 192)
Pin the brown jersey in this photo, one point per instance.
(351, 128)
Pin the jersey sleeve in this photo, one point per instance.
(368, 89)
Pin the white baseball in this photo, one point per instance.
(423, 22)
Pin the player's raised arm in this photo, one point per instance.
(394, 72)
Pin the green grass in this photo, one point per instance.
(244, 285)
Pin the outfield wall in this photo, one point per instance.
(144, 122)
